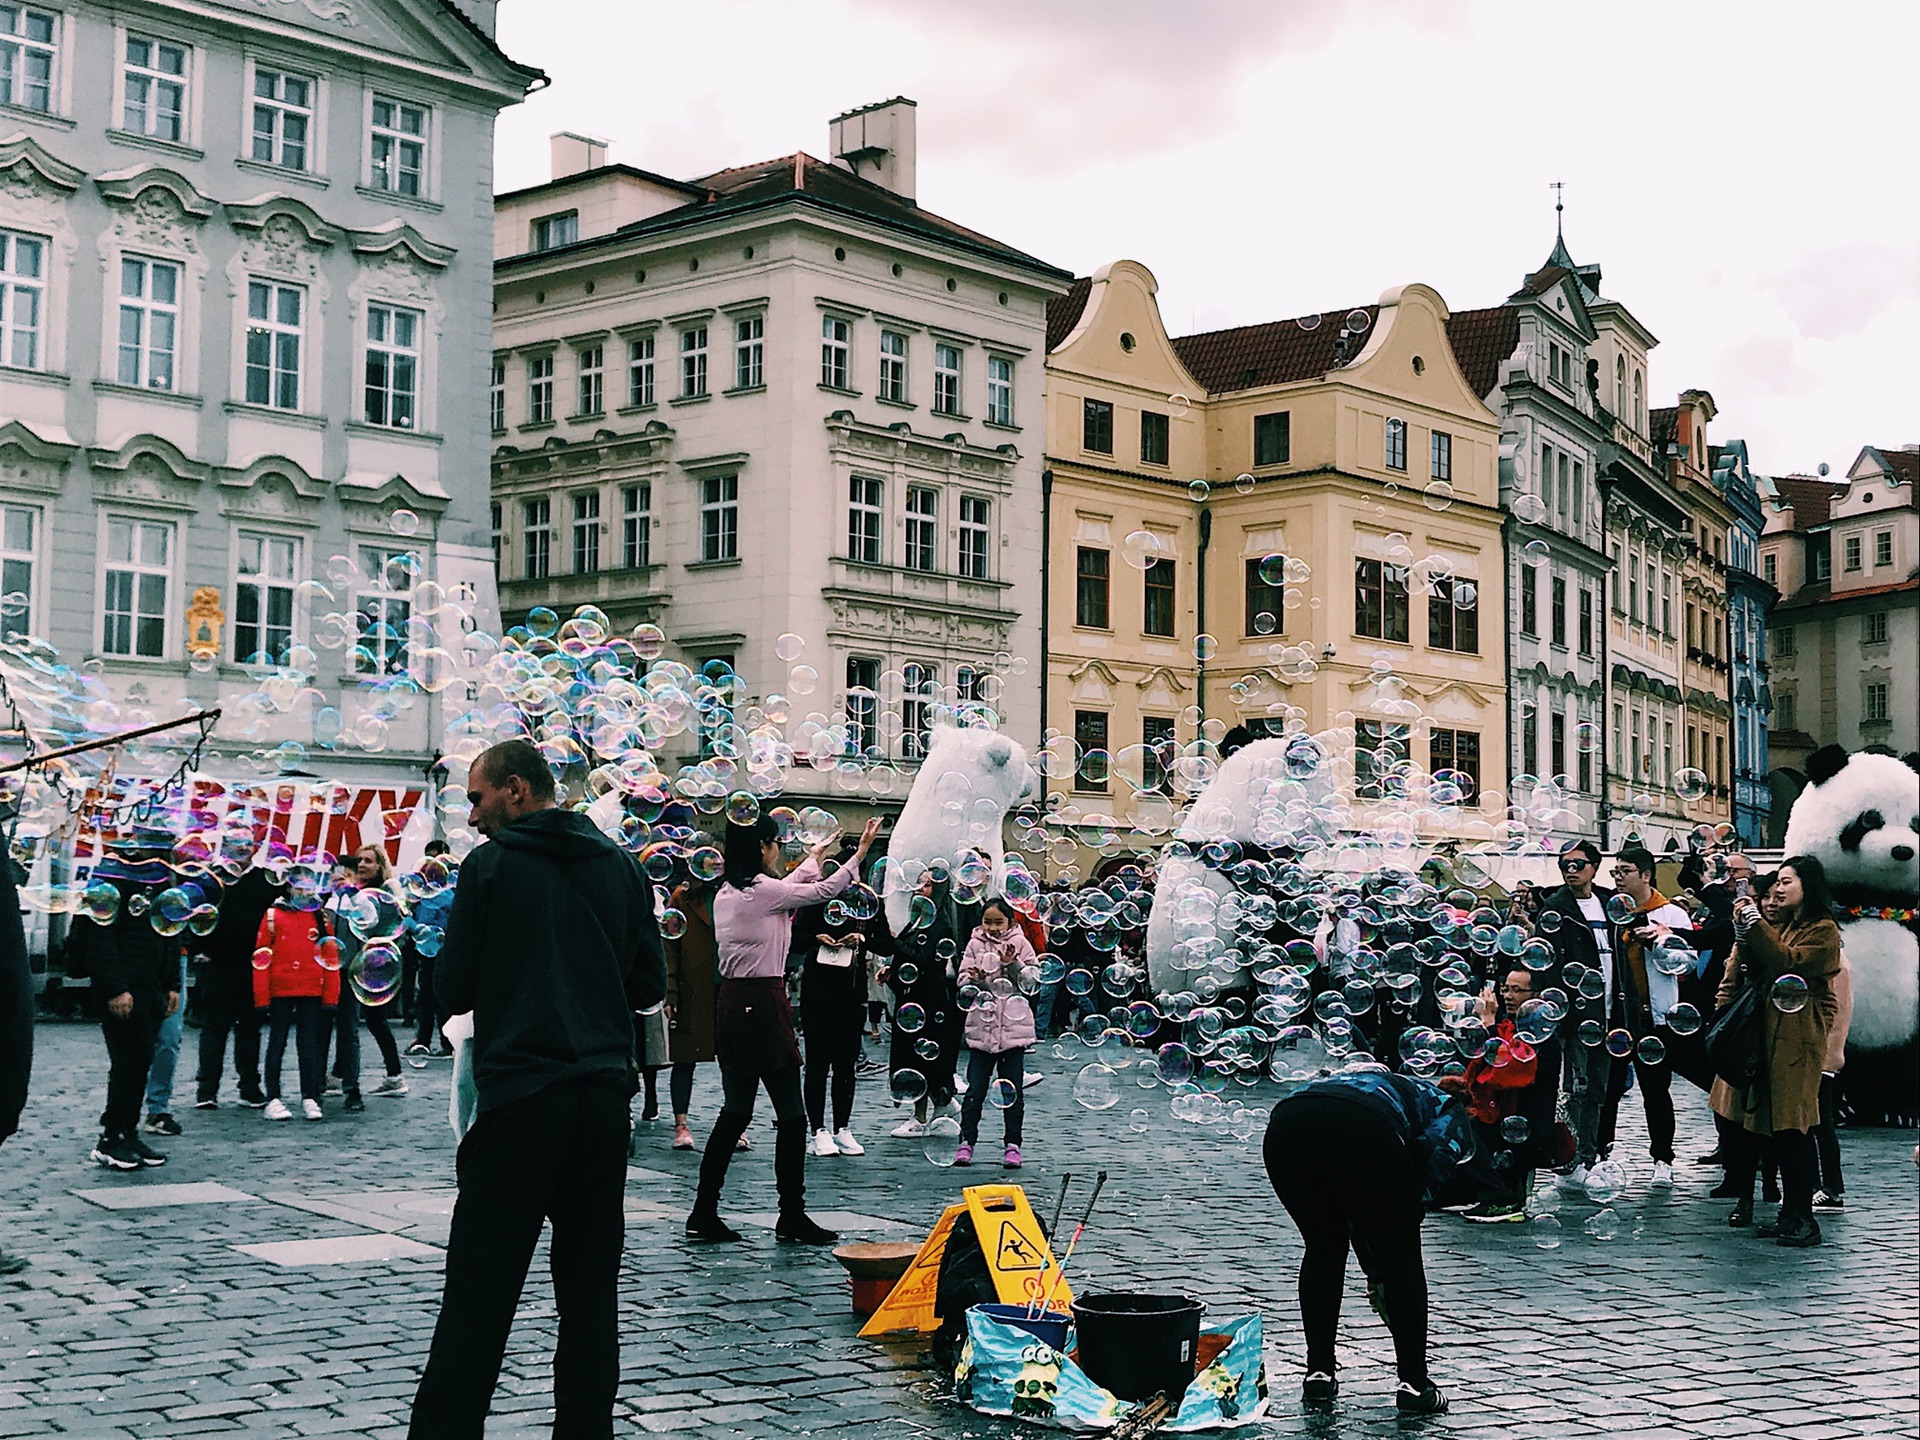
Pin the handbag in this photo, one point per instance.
(650, 1034)
(1736, 1040)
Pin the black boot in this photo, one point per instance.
(705, 1222)
(1799, 1232)
(1742, 1215)
(790, 1177)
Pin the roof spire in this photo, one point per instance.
(1560, 256)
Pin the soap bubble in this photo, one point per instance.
(1619, 1043)
(1621, 909)
(1439, 495)
(1097, 1087)
(1198, 491)
(1534, 552)
(1790, 994)
(1546, 1231)
(1002, 1093)
(1651, 1050)
(1138, 1121)
(1528, 508)
(942, 1141)
(788, 647)
(1515, 1129)
(404, 523)
(907, 1086)
(910, 1019)
(1691, 784)
(1683, 1019)
(1603, 1225)
(803, 679)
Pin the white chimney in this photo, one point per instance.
(876, 143)
(573, 154)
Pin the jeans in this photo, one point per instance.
(226, 1003)
(129, 1056)
(738, 1089)
(560, 1156)
(833, 1010)
(346, 1055)
(981, 1067)
(166, 1050)
(308, 1020)
(1347, 1179)
(427, 1017)
(1656, 1098)
(1588, 1074)
(1043, 1001)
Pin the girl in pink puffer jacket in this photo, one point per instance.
(999, 1027)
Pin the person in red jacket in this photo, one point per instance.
(1503, 1087)
(296, 981)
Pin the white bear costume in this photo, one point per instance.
(1860, 817)
(968, 780)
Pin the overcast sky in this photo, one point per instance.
(1747, 174)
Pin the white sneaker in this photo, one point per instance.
(1662, 1175)
(276, 1110)
(843, 1138)
(311, 1109)
(1574, 1182)
(391, 1086)
(910, 1129)
(960, 1086)
(823, 1144)
(1030, 1079)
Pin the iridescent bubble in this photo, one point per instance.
(1097, 1087)
(1515, 1129)
(1603, 1225)
(1789, 994)
(1683, 1019)
(788, 647)
(1651, 1050)
(1691, 784)
(404, 523)
(803, 680)
(1619, 1044)
(1528, 508)
(1003, 1092)
(910, 1019)
(941, 1141)
(1439, 495)
(1534, 552)
(907, 1086)
(1546, 1231)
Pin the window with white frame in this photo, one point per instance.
(263, 581)
(23, 286)
(282, 117)
(693, 362)
(976, 536)
(1877, 695)
(1882, 548)
(1440, 444)
(923, 528)
(552, 231)
(384, 606)
(536, 537)
(497, 396)
(863, 704)
(138, 576)
(586, 532)
(592, 363)
(276, 327)
(540, 390)
(720, 517)
(836, 341)
(154, 81)
(917, 686)
(29, 41)
(393, 366)
(636, 525)
(999, 390)
(19, 564)
(397, 146)
(893, 366)
(640, 371)
(749, 353)
(149, 322)
(1396, 457)
(946, 379)
(968, 684)
(864, 518)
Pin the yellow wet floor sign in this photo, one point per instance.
(1018, 1257)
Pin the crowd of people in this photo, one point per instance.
(1504, 1049)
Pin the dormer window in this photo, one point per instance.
(552, 231)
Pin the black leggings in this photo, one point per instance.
(1826, 1139)
(1347, 1178)
(832, 1008)
(679, 1086)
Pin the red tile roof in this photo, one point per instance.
(1824, 593)
(1482, 340)
(1544, 279)
(1064, 312)
(1905, 464)
(1811, 499)
(1277, 352)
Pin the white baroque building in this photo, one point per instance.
(245, 266)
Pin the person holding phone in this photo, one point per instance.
(1640, 1004)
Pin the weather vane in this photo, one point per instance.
(1559, 203)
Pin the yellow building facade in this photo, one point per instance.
(1293, 523)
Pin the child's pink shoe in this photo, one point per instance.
(1012, 1158)
(963, 1154)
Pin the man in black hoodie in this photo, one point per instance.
(552, 945)
(226, 991)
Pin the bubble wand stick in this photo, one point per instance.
(1046, 1301)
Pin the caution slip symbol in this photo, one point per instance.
(1016, 1252)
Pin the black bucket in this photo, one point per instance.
(1139, 1345)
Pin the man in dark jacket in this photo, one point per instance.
(1583, 937)
(225, 988)
(552, 945)
(16, 1024)
(135, 972)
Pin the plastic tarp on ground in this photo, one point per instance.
(1003, 1370)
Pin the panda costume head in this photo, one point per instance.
(1860, 817)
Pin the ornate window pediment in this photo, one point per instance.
(148, 470)
(145, 184)
(267, 474)
(29, 172)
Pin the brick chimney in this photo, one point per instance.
(573, 154)
(876, 142)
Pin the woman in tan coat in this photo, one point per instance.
(1799, 939)
(690, 972)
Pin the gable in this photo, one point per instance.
(426, 33)
(1412, 326)
(1122, 307)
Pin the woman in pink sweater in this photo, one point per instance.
(753, 1020)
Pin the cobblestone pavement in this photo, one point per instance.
(143, 1318)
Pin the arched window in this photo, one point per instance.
(1620, 385)
(1639, 406)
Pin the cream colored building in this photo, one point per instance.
(1252, 527)
(778, 400)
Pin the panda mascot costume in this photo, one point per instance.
(1860, 817)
